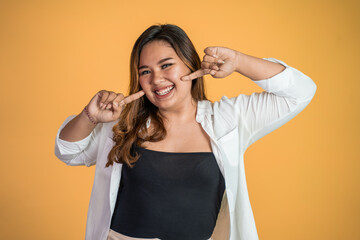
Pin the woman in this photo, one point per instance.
(165, 154)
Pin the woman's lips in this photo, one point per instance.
(162, 88)
(166, 92)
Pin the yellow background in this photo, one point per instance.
(303, 178)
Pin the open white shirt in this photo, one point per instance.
(232, 124)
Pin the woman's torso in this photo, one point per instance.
(188, 138)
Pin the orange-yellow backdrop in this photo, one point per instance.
(303, 178)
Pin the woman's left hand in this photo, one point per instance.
(219, 62)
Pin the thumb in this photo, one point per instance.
(117, 108)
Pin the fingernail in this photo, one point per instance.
(221, 61)
(101, 104)
(215, 56)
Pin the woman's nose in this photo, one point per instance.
(157, 77)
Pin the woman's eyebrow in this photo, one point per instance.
(161, 61)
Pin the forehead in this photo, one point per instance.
(154, 51)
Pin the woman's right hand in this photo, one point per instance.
(106, 106)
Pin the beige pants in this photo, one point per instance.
(118, 236)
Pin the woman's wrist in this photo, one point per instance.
(239, 61)
(88, 116)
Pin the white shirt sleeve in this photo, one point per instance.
(82, 152)
(286, 94)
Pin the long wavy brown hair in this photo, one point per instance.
(131, 127)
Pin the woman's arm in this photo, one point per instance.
(287, 91)
(220, 62)
(79, 137)
(256, 68)
(285, 95)
(78, 128)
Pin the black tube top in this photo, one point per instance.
(171, 196)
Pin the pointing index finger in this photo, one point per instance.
(196, 74)
(132, 97)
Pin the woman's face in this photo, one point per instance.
(160, 70)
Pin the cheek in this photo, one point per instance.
(178, 71)
(144, 84)
(175, 74)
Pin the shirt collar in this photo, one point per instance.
(204, 108)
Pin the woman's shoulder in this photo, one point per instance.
(221, 114)
(223, 104)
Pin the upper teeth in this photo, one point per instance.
(165, 91)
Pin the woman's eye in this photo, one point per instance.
(166, 65)
(163, 66)
(144, 72)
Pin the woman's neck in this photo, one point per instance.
(182, 114)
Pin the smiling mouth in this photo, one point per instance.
(165, 91)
